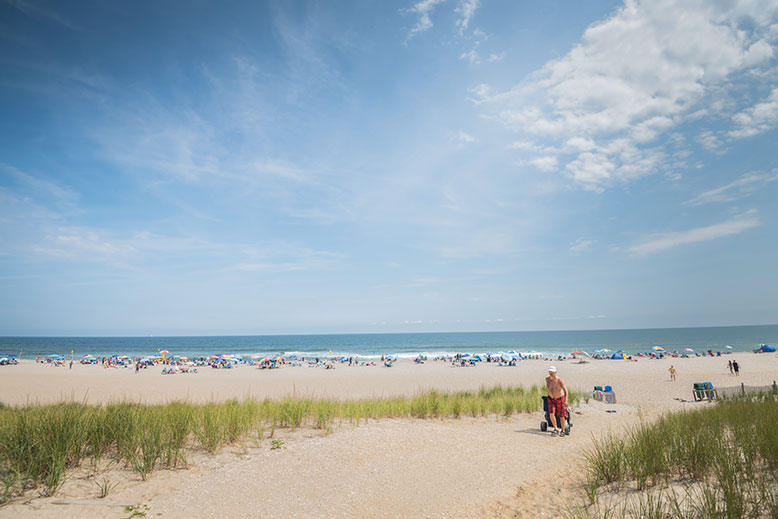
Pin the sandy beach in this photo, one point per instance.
(472, 467)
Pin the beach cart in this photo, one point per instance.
(544, 423)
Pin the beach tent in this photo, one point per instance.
(766, 348)
(618, 356)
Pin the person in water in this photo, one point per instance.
(557, 395)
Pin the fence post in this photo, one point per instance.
(775, 387)
(742, 388)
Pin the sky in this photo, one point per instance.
(209, 167)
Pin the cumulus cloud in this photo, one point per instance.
(669, 240)
(757, 119)
(633, 78)
(743, 186)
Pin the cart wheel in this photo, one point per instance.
(543, 426)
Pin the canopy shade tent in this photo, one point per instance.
(618, 356)
(766, 348)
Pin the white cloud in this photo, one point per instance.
(711, 142)
(668, 240)
(80, 242)
(545, 163)
(581, 245)
(424, 9)
(757, 119)
(743, 186)
(465, 137)
(466, 9)
(475, 59)
(635, 76)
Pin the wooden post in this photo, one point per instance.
(742, 388)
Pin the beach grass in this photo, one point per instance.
(717, 461)
(40, 443)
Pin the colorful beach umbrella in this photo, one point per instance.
(576, 352)
(688, 349)
(658, 348)
(164, 351)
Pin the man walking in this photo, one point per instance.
(557, 394)
(736, 367)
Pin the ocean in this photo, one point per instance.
(404, 345)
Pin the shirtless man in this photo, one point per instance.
(557, 395)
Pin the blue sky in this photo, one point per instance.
(236, 167)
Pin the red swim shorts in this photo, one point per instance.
(557, 406)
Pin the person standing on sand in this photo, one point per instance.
(672, 373)
(731, 371)
(736, 367)
(557, 394)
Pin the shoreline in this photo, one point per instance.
(633, 380)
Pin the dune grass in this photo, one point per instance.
(718, 461)
(39, 443)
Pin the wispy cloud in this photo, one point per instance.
(466, 10)
(669, 240)
(475, 58)
(464, 137)
(581, 245)
(41, 188)
(742, 187)
(424, 10)
(32, 9)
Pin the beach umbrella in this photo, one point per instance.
(164, 351)
(577, 352)
(728, 347)
(605, 350)
(658, 348)
(688, 349)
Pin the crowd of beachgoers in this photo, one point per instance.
(172, 364)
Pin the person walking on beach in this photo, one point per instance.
(557, 394)
(736, 367)
(672, 373)
(731, 371)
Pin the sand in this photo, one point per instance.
(391, 468)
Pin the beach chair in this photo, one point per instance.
(704, 391)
